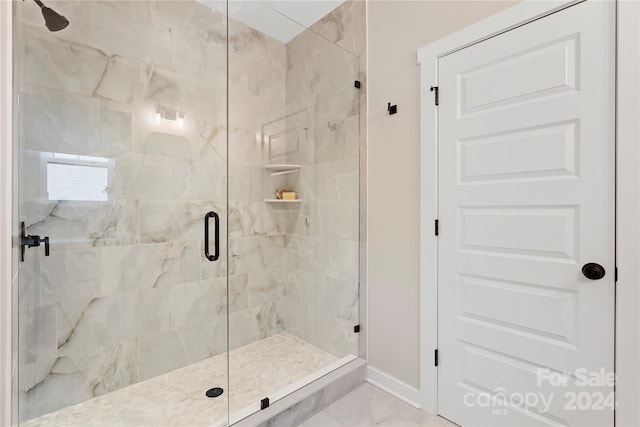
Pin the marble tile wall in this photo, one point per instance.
(321, 301)
(126, 294)
(256, 246)
(346, 27)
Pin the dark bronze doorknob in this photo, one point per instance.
(593, 271)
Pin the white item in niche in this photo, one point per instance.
(282, 168)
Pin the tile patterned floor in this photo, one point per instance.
(369, 406)
(177, 398)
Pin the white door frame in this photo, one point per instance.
(6, 144)
(628, 193)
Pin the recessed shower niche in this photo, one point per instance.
(126, 321)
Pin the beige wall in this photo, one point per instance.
(396, 29)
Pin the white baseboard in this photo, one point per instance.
(393, 386)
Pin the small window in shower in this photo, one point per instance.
(77, 178)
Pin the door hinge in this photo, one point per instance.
(436, 227)
(356, 329)
(437, 91)
(615, 274)
(357, 84)
(435, 357)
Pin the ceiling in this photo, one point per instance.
(280, 19)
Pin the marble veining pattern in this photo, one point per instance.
(322, 283)
(178, 397)
(127, 294)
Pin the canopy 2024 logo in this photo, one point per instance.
(582, 390)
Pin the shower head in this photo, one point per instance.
(52, 19)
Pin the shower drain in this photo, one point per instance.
(214, 392)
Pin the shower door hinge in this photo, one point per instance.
(435, 357)
(264, 403)
(357, 84)
(437, 91)
(356, 329)
(436, 227)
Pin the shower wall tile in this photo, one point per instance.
(251, 219)
(82, 224)
(105, 320)
(245, 255)
(323, 241)
(339, 140)
(67, 120)
(338, 219)
(161, 177)
(166, 144)
(323, 330)
(345, 26)
(247, 326)
(40, 333)
(73, 68)
(160, 352)
(265, 288)
(337, 180)
(69, 314)
(112, 366)
(193, 18)
(36, 372)
(239, 292)
(342, 299)
(66, 275)
(129, 268)
(295, 318)
(46, 396)
(273, 250)
(112, 30)
(197, 301)
(165, 220)
(333, 257)
(177, 91)
(211, 270)
(155, 309)
(197, 57)
(204, 339)
(121, 80)
(116, 126)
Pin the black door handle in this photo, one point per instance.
(593, 271)
(216, 252)
(31, 242)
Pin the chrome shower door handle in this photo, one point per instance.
(216, 249)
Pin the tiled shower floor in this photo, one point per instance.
(178, 397)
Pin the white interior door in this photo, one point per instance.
(526, 199)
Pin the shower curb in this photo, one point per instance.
(297, 407)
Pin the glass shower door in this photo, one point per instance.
(123, 160)
(293, 204)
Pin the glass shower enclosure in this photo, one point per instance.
(189, 192)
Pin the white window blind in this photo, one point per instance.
(77, 182)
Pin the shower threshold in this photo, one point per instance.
(272, 367)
